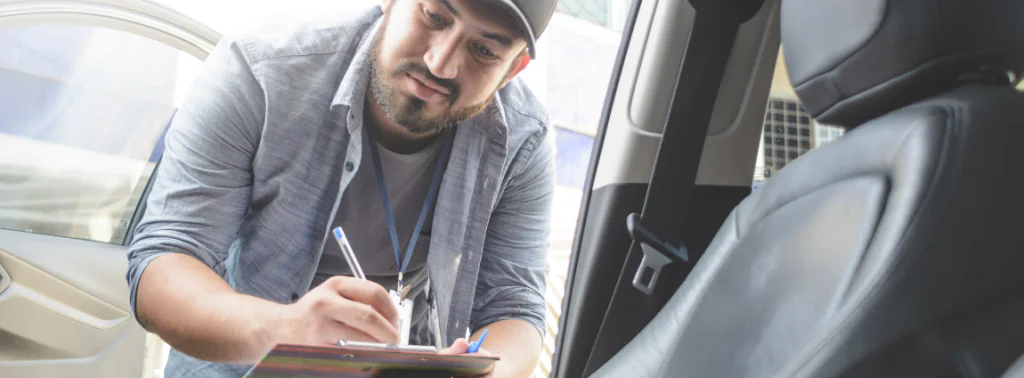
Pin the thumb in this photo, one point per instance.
(460, 346)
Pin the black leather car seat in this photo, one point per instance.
(897, 250)
(1016, 370)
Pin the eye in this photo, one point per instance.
(484, 51)
(434, 18)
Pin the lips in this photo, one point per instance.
(426, 89)
(429, 83)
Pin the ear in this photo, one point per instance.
(518, 65)
(385, 5)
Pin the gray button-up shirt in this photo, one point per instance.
(254, 169)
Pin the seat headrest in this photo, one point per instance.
(853, 60)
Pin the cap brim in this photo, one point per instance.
(523, 24)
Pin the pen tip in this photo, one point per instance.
(338, 233)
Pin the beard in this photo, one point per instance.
(408, 111)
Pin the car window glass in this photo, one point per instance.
(82, 114)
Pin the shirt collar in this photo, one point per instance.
(354, 83)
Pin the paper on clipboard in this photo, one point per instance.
(290, 360)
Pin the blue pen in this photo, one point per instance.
(350, 256)
(475, 346)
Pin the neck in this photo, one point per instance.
(393, 136)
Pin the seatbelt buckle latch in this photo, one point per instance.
(657, 254)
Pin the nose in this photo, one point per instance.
(441, 57)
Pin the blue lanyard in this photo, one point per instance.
(442, 161)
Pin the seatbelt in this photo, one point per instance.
(658, 260)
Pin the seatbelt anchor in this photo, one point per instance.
(657, 254)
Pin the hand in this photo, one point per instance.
(342, 308)
(461, 346)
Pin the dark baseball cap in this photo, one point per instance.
(532, 16)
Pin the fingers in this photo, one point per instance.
(366, 292)
(339, 331)
(364, 318)
(460, 346)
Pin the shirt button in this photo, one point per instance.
(295, 297)
(349, 166)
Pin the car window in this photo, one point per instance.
(610, 14)
(82, 113)
(788, 131)
(570, 77)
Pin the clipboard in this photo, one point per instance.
(308, 361)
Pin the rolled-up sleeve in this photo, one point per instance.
(204, 180)
(513, 267)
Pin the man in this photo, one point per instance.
(291, 131)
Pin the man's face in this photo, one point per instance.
(440, 62)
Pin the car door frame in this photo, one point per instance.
(636, 109)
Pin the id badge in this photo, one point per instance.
(404, 316)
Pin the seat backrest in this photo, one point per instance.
(894, 251)
(1016, 370)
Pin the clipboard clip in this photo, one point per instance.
(387, 347)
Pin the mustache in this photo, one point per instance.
(414, 67)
